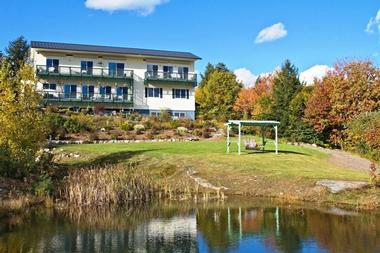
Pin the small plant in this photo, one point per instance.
(126, 126)
(139, 128)
(43, 186)
(197, 132)
(114, 136)
(374, 175)
(93, 137)
(182, 130)
(206, 133)
(149, 135)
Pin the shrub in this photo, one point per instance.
(131, 136)
(182, 130)
(99, 109)
(198, 132)
(126, 126)
(72, 125)
(139, 128)
(165, 116)
(93, 137)
(53, 123)
(43, 186)
(149, 135)
(134, 117)
(188, 123)
(206, 133)
(363, 135)
(52, 109)
(8, 166)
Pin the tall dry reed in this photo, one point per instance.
(109, 184)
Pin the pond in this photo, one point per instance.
(184, 227)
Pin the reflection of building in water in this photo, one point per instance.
(176, 234)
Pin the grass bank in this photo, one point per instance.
(289, 176)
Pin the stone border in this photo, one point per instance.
(63, 142)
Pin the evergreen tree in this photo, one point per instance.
(286, 85)
(17, 54)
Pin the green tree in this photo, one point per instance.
(286, 85)
(217, 93)
(17, 54)
(21, 132)
(298, 129)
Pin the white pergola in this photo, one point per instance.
(260, 123)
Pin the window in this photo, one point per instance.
(153, 92)
(179, 115)
(122, 93)
(116, 69)
(105, 92)
(49, 86)
(155, 114)
(152, 70)
(88, 91)
(183, 72)
(86, 67)
(70, 91)
(52, 65)
(180, 93)
(168, 71)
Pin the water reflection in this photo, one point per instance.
(178, 227)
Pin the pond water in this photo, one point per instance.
(184, 227)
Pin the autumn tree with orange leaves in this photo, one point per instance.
(351, 89)
(251, 101)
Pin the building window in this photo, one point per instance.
(88, 91)
(168, 71)
(86, 67)
(179, 115)
(70, 91)
(183, 72)
(116, 69)
(106, 92)
(153, 92)
(155, 114)
(180, 93)
(122, 93)
(49, 86)
(52, 65)
(152, 70)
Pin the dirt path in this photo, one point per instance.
(345, 159)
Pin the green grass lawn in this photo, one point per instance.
(210, 156)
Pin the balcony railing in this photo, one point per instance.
(170, 76)
(53, 96)
(94, 72)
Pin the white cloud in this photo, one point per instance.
(271, 33)
(246, 77)
(144, 7)
(317, 71)
(374, 23)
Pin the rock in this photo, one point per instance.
(336, 186)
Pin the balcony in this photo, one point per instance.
(78, 99)
(95, 73)
(160, 76)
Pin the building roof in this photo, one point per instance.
(113, 50)
(254, 122)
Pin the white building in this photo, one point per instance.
(115, 78)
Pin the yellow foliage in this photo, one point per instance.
(20, 118)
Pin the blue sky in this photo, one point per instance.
(308, 33)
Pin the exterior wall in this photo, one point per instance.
(139, 67)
